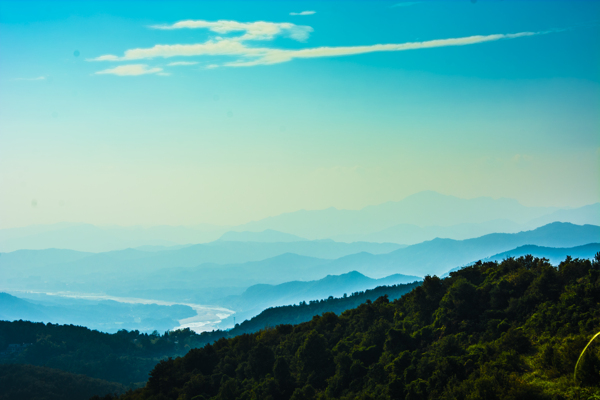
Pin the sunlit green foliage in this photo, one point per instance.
(512, 330)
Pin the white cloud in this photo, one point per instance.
(212, 66)
(279, 56)
(251, 56)
(39, 78)
(131, 70)
(303, 13)
(259, 30)
(178, 63)
(209, 48)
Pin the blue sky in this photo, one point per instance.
(224, 112)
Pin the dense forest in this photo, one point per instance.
(28, 382)
(127, 357)
(509, 330)
(297, 313)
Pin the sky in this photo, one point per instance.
(180, 113)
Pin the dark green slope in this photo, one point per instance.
(303, 312)
(28, 382)
(128, 357)
(512, 330)
(259, 297)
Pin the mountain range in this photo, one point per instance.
(207, 272)
(259, 297)
(554, 254)
(440, 255)
(422, 216)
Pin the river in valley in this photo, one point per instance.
(207, 318)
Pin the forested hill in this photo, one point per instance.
(28, 382)
(302, 312)
(128, 357)
(512, 330)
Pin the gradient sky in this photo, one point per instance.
(231, 121)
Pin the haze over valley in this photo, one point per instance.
(299, 200)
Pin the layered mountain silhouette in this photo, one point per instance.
(422, 216)
(440, 255)
(554, 254)
(266, 236)
(198, 273)
(65, 264)
(259, 297)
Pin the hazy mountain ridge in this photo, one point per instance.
(193, 267)
(419, 217)
(266, 236)
(422, 209)
(553, 254)
(259, 297)
(107, 316)
(440, 255)
(131, 263)
(409, 234)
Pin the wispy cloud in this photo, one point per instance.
(132, 70)
(259, 30)
(180, 63)
(251, 56)
(279, 56)
(303, 13)
(242, 48)
(39, 78)
(405, 4)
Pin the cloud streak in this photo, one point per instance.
(132, 70)
(259, 30)
(303, 13)
(279, 56)
(181, 63)
(252, 56)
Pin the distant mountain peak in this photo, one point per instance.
(265, 236)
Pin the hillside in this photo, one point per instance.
(123, 357)
(305, 311)
(259, 297)
(489, 331)
(20, 382)
(127, 357)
